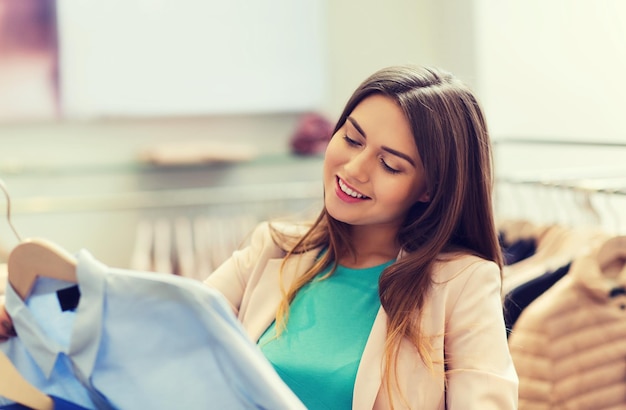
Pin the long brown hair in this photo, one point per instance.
(452, 139)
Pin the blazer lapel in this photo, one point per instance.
(369, 374)
(266, 295)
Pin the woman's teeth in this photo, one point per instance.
(349, 191)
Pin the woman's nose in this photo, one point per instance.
(358, 167)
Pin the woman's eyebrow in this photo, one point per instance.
(392, 151)
(399, 154)
(357, 126)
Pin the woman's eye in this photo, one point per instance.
(350, 141)
(388, 168)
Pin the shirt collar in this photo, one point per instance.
(43, 351)
(87, 330)
(91, 276)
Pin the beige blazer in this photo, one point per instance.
(464, 315)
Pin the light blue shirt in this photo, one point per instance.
(140, 340)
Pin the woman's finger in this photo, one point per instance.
(9, 330)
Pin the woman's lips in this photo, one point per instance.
(348, 194)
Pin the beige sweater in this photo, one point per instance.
(569, 345)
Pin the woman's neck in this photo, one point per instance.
(371, 247)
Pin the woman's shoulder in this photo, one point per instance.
(284, 234)
(289, 228)
(462, 265)
(459, 274)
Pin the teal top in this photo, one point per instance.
(329, 322)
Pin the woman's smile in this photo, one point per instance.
(348, 194)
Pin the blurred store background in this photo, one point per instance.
(157, 133)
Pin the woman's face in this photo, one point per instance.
(373, 172)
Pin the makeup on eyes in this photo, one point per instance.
(351, 121)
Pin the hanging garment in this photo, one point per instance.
(569, 345)
(40, 353)
(518, 250)
(557, 246)
(519, 298)
(139, 340)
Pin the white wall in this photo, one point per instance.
(130, 58)
(46, 165)
(558, 85)
(366, 35)
(553, 69)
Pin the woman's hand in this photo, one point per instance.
(6, 325)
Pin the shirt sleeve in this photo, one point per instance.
(480, 370)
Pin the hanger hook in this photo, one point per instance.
(6, 194)
(588, 205)
(612, 194)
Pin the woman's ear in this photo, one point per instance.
(425, 197)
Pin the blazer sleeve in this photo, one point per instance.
(481, 374)
(232, 276)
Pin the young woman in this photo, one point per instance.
(391, 298)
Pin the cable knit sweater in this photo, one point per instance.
(569, 345)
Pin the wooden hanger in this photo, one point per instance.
(39, 257)
(612, 253)
(29, 259)
(36, 257)
(8, 198)
(14, 387)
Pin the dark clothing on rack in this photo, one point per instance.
(518, 250)
(523, 295)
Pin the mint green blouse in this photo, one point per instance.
(329, 322)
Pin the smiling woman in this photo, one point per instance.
(391, 298)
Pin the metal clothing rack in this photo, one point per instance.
(101, 206)
(579, 194)
(578, 143)
(605, 179)
(137, 186)
(171, 198)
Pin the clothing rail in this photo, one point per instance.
(581, 143)
(603, 185)
(598, 202)
(602, 175)
(170, 198)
